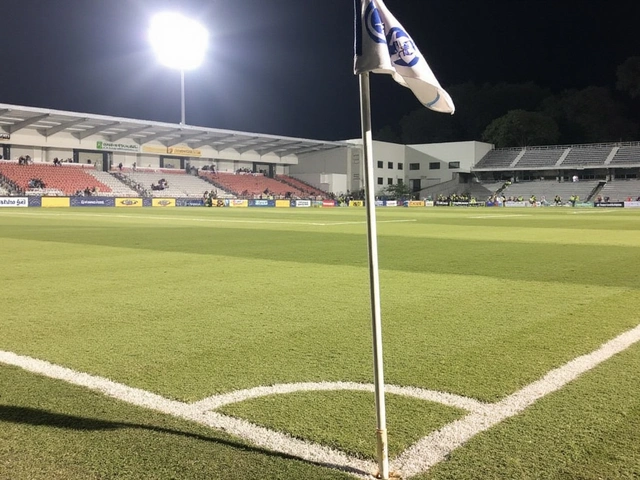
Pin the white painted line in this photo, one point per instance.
(418, 459)
(197, 219)
(506, 215)
(274, 441)
(435, 447)
(448, 399)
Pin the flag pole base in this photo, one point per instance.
(383, 454)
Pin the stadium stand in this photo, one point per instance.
(621, 190)
(627, 155)
(587, 156)
(482, 191)
(540, 158)
(252, 185)
(66, 179)
(302, 186)
(179, 183)
(549, 189)
(499, 159)
(3, 192)
(118, 189)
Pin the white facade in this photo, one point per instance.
(418, 166)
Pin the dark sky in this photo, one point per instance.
(285, 66)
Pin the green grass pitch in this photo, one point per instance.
(190, 303)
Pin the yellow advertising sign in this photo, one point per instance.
(283, 203)
(163, 202)
(184, 151)
(128, 202)
(416, 203)
(239, 203)
(49, 202)
(153, 149)
(356, 203)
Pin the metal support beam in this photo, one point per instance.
(92, 131)
(25, 123)
(47, 132)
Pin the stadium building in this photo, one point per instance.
(128, 157)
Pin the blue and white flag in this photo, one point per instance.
(384, 46)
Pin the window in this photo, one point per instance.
(400, 181)
(400, 166)
(380, 164)
(434, 166)
(380, 181)
(389, 181)
(390, 165)
(453, 165)
(414, 166)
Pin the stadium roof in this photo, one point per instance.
(48, 122)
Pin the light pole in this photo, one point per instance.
(180, 43)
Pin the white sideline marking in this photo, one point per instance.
(435, 447)
(419, 458)
(200, 219)
(507, 215)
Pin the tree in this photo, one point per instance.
(400, 190)
(521, 128)
(387, 134)
(590, 115)
(629, 77)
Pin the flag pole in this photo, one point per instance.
(374, 280)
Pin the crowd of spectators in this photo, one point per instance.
(162, 184)
(87, 192)
(36, 183)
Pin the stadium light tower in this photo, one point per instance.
(180, 43)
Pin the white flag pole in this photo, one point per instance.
(374, 280)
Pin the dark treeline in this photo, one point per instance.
(516, 115)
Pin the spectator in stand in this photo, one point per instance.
(120, 166)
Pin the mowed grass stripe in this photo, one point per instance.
(187, 329)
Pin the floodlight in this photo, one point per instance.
(179, 42)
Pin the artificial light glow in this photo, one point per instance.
(179, 42)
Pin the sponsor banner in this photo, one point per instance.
(414, 203)
(238, 203)
(392, 203)
(460, 204)
(189, 202)
(129, 202)
(283, 203)
(184, 151)
(92, 202)
(380, 203)
(301, 203)
(54, 202)
(442, 203)
(35, 201)
(262, 203)
(153, 149)
(631, 204)
(356, 203)
(163, 202)
(516, 204)
(610, 205)
(14, 202)
(5, 136)
(584, 205)
(429, 203)
(118, 147)
(328, 203)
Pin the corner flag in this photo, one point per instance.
(384, 46)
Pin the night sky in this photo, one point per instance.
(284, 67)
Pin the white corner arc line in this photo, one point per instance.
(449, 399)
(419, 458)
